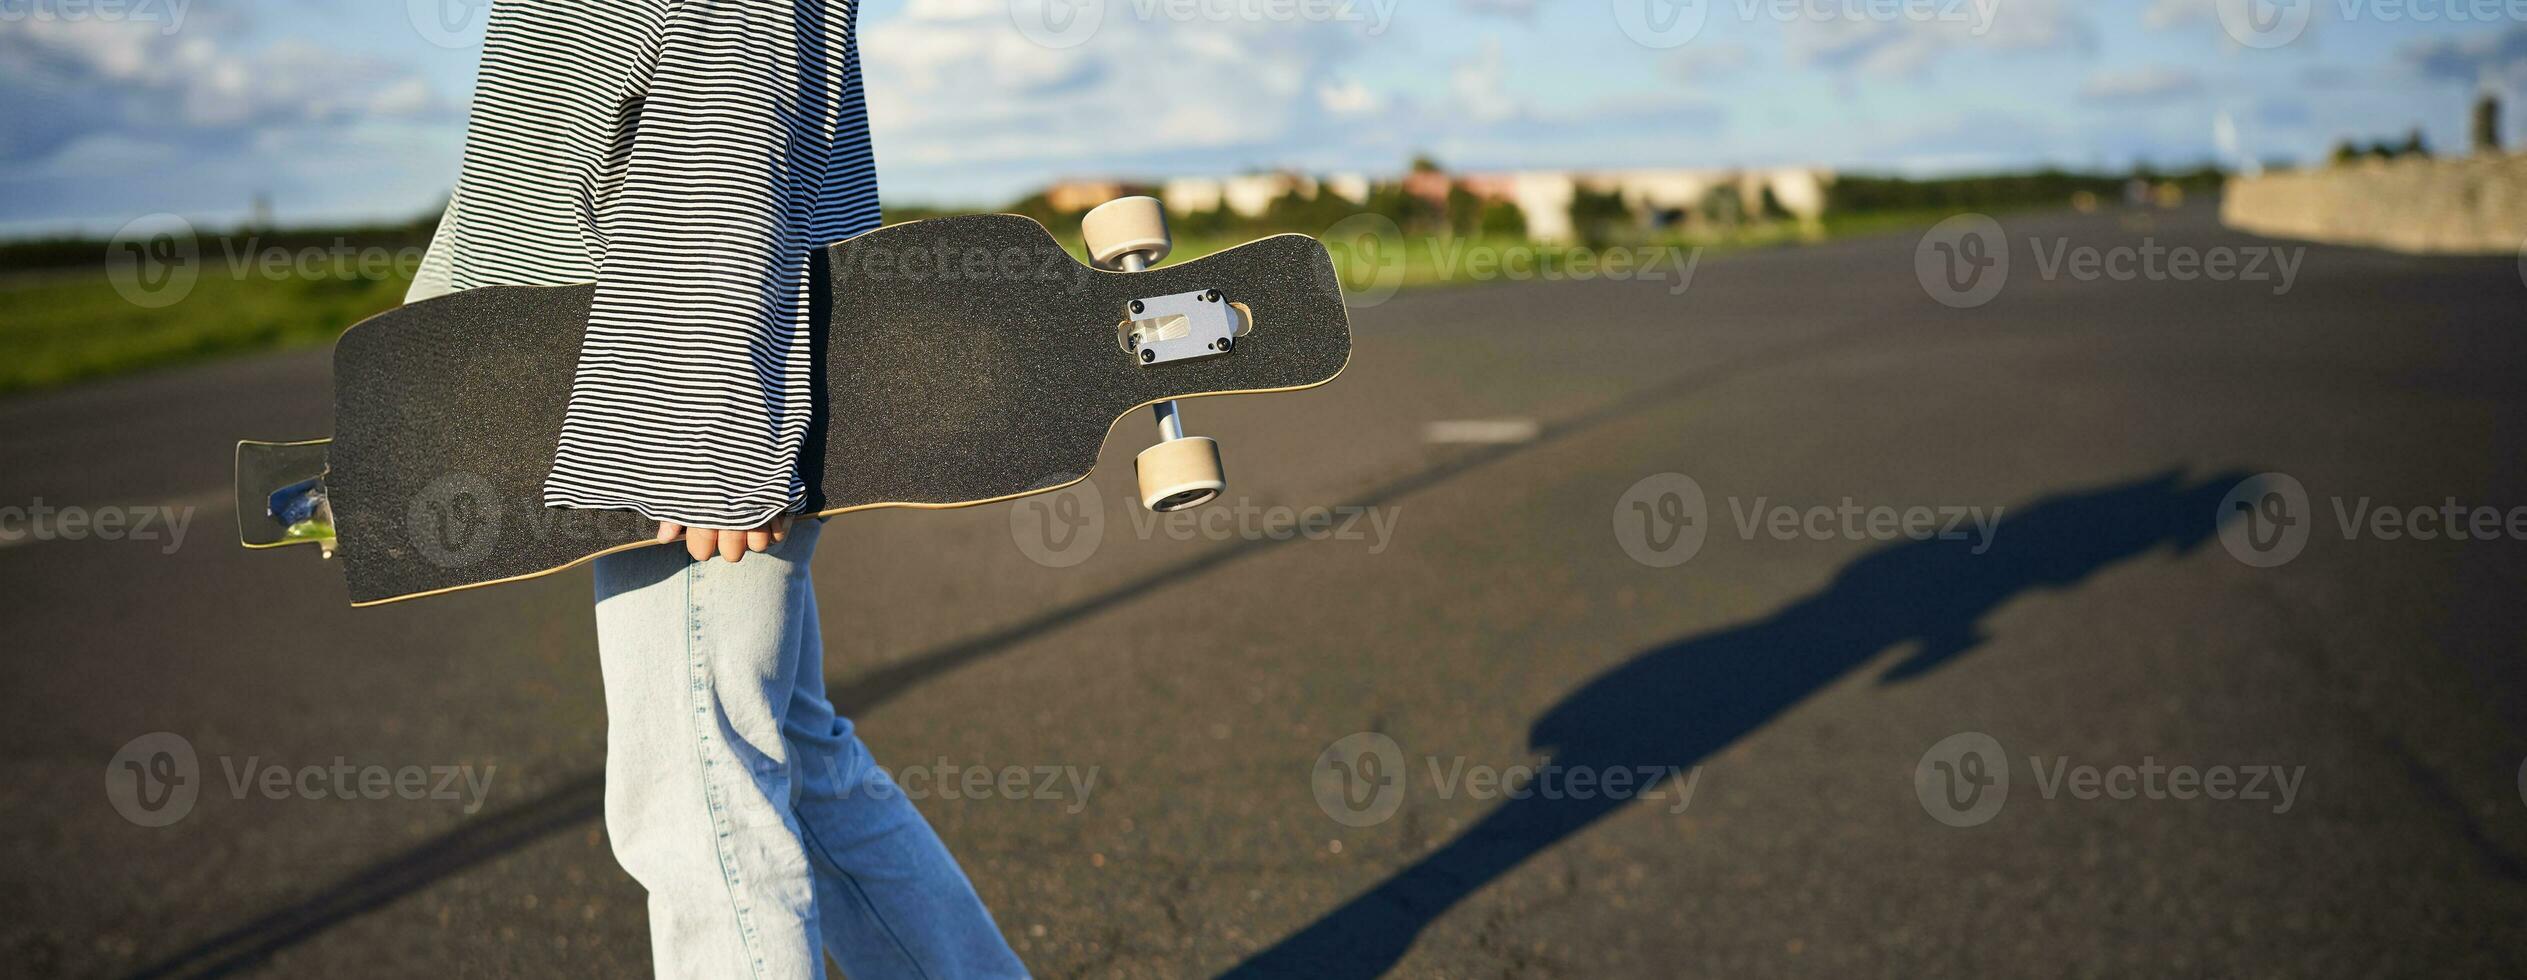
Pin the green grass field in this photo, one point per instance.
(58, 328)
(63, 327)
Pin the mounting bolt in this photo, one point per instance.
(1226, 343)
(1210, 296)
(1148, 355)
(1136, 307)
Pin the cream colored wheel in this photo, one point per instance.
(1127, 226)
(1180, 474)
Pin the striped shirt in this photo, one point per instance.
(686, 156)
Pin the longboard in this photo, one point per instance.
(959, 361)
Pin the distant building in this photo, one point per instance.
(1191, 195)
(1431, 186)
(1659, 198)
(1800, 191)
(1081, 195)
(1350, 187)
(1251, 194)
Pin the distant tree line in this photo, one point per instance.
(1864, 193)
(1597, 216)
(2349, 150)
(213, 246)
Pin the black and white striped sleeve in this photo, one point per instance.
(744, 146)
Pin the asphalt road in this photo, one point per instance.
(1765, 720)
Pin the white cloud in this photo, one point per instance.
(1348, 98)
(81, 80)
(2487, 60)
(1480, 85)
(956, 83)
(1892, 46)
(2141, 86)
(2163, 14)
(1704, 62)
(1516, 9)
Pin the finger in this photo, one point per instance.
(732, 545)
(700, 542)
(668, 530)
(758, 540)
(781, 529)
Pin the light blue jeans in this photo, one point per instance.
(765, 833)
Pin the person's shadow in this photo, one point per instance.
(1674, 706)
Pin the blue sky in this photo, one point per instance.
(123, 108)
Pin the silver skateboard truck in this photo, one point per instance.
(1130, 235)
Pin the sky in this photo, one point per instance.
(354, 109)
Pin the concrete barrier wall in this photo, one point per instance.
(2473, 205)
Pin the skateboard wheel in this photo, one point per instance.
(1123, 226)
(1180, 474)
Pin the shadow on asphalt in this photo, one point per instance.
(581, 799)
(1674, 706)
